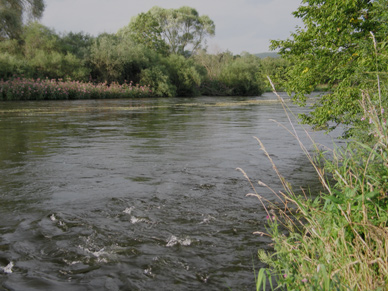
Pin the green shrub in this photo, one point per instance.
(339, 240)
(184, 75)
(243, 76)
(157, 79)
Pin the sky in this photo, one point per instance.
(241, 25)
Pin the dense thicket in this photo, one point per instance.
(171, 67)
(342, 44)
(336, 239)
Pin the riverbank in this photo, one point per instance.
(339, 240)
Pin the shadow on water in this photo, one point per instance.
(138, 194)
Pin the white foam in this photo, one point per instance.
(128, 210)
(173, 240)
(134, 220)
(7, 269)
(207, 219)
(97, 254)
(185, 242)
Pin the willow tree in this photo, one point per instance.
(13, 13)
(176, 31)
(342, 44)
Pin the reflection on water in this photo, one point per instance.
(138, 194)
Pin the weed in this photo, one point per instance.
(339, 240)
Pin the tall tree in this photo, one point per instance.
(14, 12)
(170, 30)
(336, 46)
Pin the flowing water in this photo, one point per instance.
(139, 194)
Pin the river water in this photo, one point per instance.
(139, 194)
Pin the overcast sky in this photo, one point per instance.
(241, 25)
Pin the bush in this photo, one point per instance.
(243, 76)
(158, 80)
(184, 75)
(339, 240)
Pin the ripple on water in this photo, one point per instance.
(138, 200)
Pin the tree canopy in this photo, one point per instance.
(14, 12)
(161, 49)
(340, 44)
(170, 30)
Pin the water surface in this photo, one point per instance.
(139, 194)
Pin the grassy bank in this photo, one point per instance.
(46, 89)
(339, 240)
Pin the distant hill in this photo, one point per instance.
(268, 54)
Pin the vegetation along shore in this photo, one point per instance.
(337, 240)
(141, 53)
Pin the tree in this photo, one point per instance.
(213, 63)
(335, 47)
(184, 75)
(116, 59)
(39, 53)
(14, 12)
(77, 44)
(276, 69)
(145, 29)
(243, 76)
(170, 30)
(45, 56)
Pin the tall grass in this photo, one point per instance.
(339, 240)
(45, 89)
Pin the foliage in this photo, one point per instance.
(276, 69)
(335, 48)
(215, 87)
(243, 76)
(158, 79)
(116, 59)
(213, 63)
(120, 58)
(145, 29)
(39, 54)
(78, 44)
(46, 89)
(12, 13)
(184, 75)
(231, 75)
(10, 65)
(338, 240)
(44, 53)
(170, 30)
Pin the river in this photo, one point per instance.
(140, 194)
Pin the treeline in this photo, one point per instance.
(39, 53)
